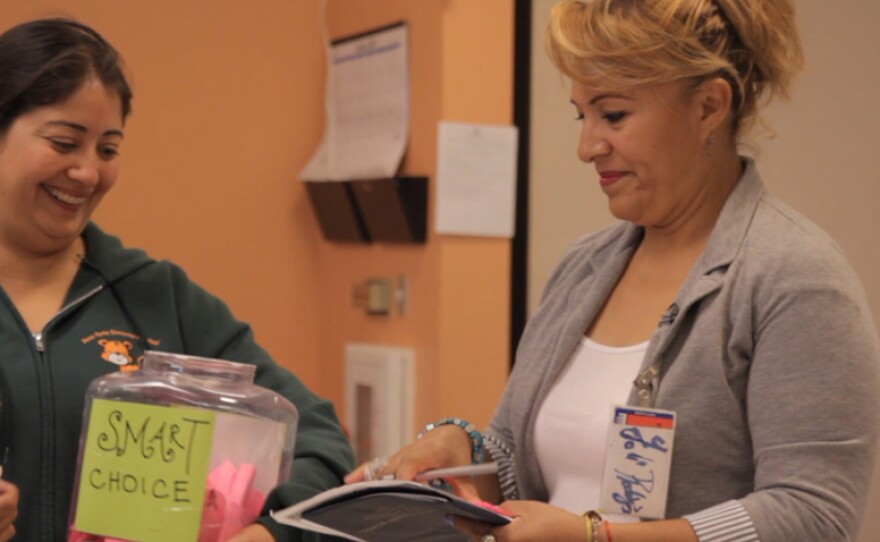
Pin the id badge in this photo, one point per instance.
(637, 462)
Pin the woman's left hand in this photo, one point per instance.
(253, 533)
(533, 521)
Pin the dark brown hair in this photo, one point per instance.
(45, 61)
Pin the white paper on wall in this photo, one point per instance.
(476, 179)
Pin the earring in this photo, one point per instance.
(710, 144)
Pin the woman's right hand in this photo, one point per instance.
(444, 446)
(8, 509)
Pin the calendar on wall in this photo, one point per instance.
(367, 107)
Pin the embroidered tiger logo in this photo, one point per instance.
(119, 353)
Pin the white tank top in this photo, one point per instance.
(572, 425)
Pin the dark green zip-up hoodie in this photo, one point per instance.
(122, 301)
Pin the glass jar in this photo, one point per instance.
(185, 449)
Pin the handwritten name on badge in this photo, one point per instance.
(637, 463)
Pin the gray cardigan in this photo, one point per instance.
(769, 356)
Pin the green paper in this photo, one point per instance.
(144, 470)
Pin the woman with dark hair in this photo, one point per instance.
(63, 104)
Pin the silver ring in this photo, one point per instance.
(374, 468)
(488, 537)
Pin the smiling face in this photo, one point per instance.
(649, 146)
(56, 164)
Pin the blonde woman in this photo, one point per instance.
(709, 299)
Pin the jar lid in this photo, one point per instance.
(167, 362)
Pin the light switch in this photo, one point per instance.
(377, 296)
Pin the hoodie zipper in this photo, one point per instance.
(47, 400)
(5, 421)
(38, 337)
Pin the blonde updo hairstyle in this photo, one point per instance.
(614, 45)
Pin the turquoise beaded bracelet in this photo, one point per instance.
(478, 452)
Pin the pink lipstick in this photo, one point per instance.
(607, 178)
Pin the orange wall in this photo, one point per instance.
(228, 108)
(222, 122)
(457, 321)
